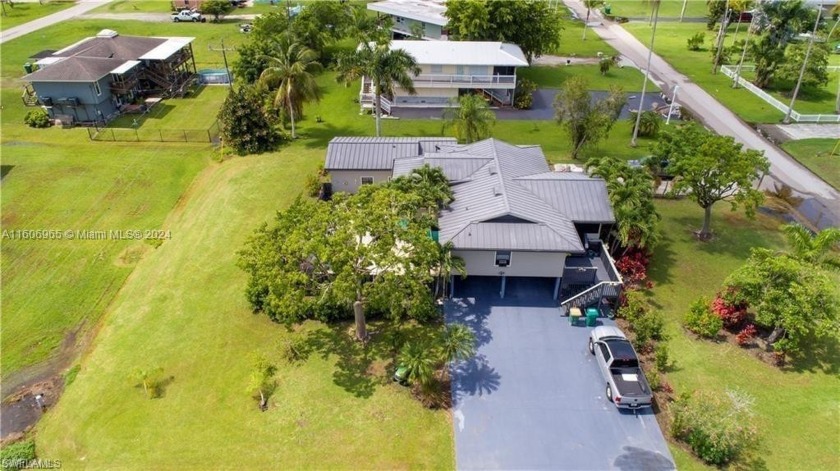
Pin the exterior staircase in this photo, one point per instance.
(28, 96)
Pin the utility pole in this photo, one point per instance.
(682, 12)
(804, 65)
(673, 102)
(224, 50)
(647, 76)
(744, 52)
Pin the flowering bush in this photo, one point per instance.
(732, 313)
(746, 335)
(633, 268)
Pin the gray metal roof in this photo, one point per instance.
(75, 69)
(378, 153)
(492, 181)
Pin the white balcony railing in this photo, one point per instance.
(465, 79)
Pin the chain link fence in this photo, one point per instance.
(209, 135)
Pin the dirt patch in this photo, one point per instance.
(131, 255)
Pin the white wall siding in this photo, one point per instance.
(540, 264)
(350, 180)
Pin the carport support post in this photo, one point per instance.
(502, 292)
(556, 287)
(451, 286)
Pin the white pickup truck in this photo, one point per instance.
(627, 387)
(188, 15)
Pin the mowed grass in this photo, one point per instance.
(572, 43)
(790, 403)
(184, 309)
(697, 65)
(21, 13)
(196, 111)
(667, 9)
(816, 154)
(136, 6)
(628, 78)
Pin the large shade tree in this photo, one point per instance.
(709, 168)
(383, 67)
(470, 117)
(324, 259)
(291, 72)
(585, 120)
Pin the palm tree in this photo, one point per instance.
(384, 67)
(418, 358)
(291, 71)
(457, 342)
(809, 246)
(448, 265)
(655, 7)
(471, 118)
(589, 4)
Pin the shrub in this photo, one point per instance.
(71, 374)
(649, 124)
(524, 94)
(633, 306)
(312, 185)
(37, 119)
(654, 380)
(647, 327)
(717, 427)
(17, 455)
(746, 335)
(701, 320)
(294, 350)
(633, 268)
(696, 41)
(662, 356)
(732, 313)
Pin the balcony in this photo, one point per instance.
(468, 81)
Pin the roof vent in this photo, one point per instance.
(497, 191)
(492, 169)
(107, 33)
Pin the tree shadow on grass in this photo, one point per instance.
(729, 238)
(662, 261)
(356, 361)
(819, 355)
(4, 170)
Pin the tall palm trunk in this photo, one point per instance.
(291, 108)
(647, 77)
(804, 66)
(721, 39)
(378, 110)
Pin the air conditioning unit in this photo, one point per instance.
(45, 100)
(73, 101)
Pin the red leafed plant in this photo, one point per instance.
(733, 313)
(746, 335)
(633, 268)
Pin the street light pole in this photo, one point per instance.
(744, 52)
(671, 108)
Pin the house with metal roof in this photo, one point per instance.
(449, 69)
(511, 215)
(429, 16)
(93, 79)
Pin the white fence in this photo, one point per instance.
(730, 71)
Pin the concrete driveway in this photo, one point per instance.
(532, 398)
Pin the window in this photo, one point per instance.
(437, 69)
(604, 351)
(503, 258)
(367, 180)
(97, 89)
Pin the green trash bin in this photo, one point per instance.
(591, 317)
(607, 9)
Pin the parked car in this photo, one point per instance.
(188, 15)
(626, 385)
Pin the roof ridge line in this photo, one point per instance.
(499, 174)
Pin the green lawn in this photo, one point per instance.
(697, 65)
(24, 12)
(572, 43)
(668, 8)
(136, 6)
(791, 403)
(192, 112)
(554, 76)
(816, 155)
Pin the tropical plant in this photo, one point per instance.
(419, 359)
(585, 121)
(654, 5)
(606, 62)
(524, 94)
(150, 379)
(448, 264)
(808, 246)
(470, 117)
(261, 384)
(781, 21)
(457, 343)
(649, 123)
(696, 42)
(701, 320)
(291, 72)
(383, 67)
(816, 69)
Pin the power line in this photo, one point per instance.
(224, 50)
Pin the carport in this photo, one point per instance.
(532, 398)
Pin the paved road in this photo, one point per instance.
(716, 116)
(532, 398)
(83, 6)
(159, 17)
